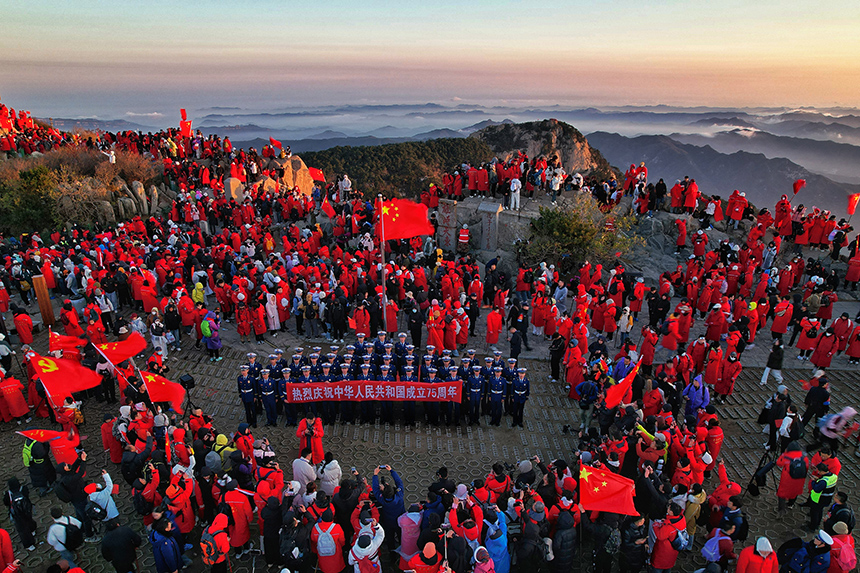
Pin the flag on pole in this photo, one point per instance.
(275, 143)
(41, 435)
(183, 114)
(163, 390)
(602, 490)
(58, 341)
(350, 322)
(316, 174)
(852, 203)
(615, 394)
(185, 128)
(116, 352)
(403, 219)
(798, 185)
(327, 208)
(62, 377)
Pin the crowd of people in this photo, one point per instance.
(266, 264)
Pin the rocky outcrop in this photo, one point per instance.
(296, 173)
(549, 137)
(139, 195)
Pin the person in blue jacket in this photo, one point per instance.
(390, 498)
(698, 397)
(497, 539)
(165, 547)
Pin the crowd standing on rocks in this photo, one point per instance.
(262, 265)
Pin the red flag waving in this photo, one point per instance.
(275, 143)
(327, 208)
(316, 174)
(41, 435)
(183, 114)
(602, 490)
(852, 203)
(798, 185)
(615, 394)
(404, 219)
(116, 352)
(185, 128)
(163, 390)
(63, 377)
(58, 341)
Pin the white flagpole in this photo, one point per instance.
(382, 254)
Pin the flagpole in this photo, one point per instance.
(382, 254)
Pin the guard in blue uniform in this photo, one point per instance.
(386, 378)
(267, 391)
(509, 374)
(254, 368)
(408, 375)
(379, 343)
(315, 364)
(431, 408)
(329, 409)
(296, 366)
(475, 385)
(408, 360)
(368, 408)
(346, 407)
(521, 395)
(361, 347)
(306, 378)
(452, 412)
(275, 375)
(248, 393)
(497, 386)
(400, 349)
(290, 410)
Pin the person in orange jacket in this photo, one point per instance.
(758, 558)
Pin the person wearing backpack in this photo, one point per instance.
(364, 555)
(839, 511)
(327, 541)
(17, 499)
(39, 465)
(606, 536)
(843, 555)
(71, 483)
(719, 547)
(215, 544)
(65, 535)
(102, 495)
(670, 533)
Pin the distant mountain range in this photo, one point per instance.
(763, 180)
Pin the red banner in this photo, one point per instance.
(369, 390)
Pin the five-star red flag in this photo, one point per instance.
(275, 143)
(316, 174)
(615, 394)
(58, 341)
(602, 490)
(116, 352)
(327, 208)
(403, 219)
(41, 435)
(798, 185)
(163, 390)
(183, 114)
(63, 377)
(852, 203)
(185, 128)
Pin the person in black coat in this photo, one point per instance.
(119, 546)
(345, 500)
(817, 401)
(41, 468)
(17, 499)
(516, 340)
(271, 515)
(72, 481)
(634, 545)
(557, 347)
(564, 544)
(600, 532)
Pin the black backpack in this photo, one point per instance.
(62, 492)
(797, 468)
(664, 330)
(94, 511)
(288, 544)
(744, 529)
(19, 505)
(141, 505)
(74, 536)
(812, 332)
(825, 301)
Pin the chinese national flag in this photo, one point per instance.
(63, 377)
(183, 114)
(275, 143)
(602, 490)
(185, 128)
(350, 322)
(798, 185)
(163, 390)
(327, 208)
(615, 394)
(852, 203)
(116, 352)
(316, 174)
(41, 435)
(58, 341)
(404, 219)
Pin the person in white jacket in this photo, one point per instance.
(330, 474)
(367, 546)
(102, 496)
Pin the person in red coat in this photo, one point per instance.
(310, 433)
(681, 241)
(853, 348)
(758, 558)
(12, 403)
(109, 442)
(243, 320)
(23, 324)
(663, 555)
(715, 362)
(789, 488)
(782, 317)
(239, 530)
(258, 321)
(494, 326)
(7, 555)
(329, 563)
(809, 331)
(826, 346)
(730, 369)
(69, 318)
(649, 344)
(715, 323)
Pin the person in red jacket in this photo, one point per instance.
(218, 530)
(663, 555)
(7, 554)
(730, 369)
(333, 563)
(681, 241)
(239, 531)
(310, 433)
(826, 346)
(852, 350)
(790, 488)
(758, 558)
(109, 442)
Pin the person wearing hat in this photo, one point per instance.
(821, 492)
(520, 389)
(758, 558)
(267, 389)
(101, 495)
(409, 376)
(477, 387)
(842, 552)
(812, 556)
(247, 386)
(428, 560)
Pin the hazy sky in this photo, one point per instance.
(108, 58)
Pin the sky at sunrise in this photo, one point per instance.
(120, 58)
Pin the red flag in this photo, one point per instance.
(275, 143)
(58, 341)
(798, 185)
(41, 435)
(183, 114)
(852, 203)
(185, 128)
(404, 219)
(602, 490)
(327, 208)
(163, 390)
(116, 352)
(350, 322)
(615, 394)
(63, 377)
(316, 174)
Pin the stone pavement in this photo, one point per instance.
(417, 452)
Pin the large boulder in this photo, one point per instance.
(296, 174)
(269, 185)
(105, 213)
(126, 207)
(139, 194)
(234, 189)
(153, 198)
